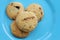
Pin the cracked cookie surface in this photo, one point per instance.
(26, 21)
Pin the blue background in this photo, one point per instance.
(47, 29)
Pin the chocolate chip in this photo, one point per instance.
(25, 10)
(39, 8)
(17, 7)
(11, 4)
(32, 17)
(41, 13)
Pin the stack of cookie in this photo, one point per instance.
(25, 20)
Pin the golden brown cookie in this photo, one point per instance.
(37, 9)
(26, 21)
(13, 9)
(17, 32)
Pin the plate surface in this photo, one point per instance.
(44, 29)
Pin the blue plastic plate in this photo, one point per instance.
(45, 28)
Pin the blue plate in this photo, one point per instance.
(46, 28)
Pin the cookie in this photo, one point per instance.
(17, 32)
(37, 9)
(13, 9)
(26, 21)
